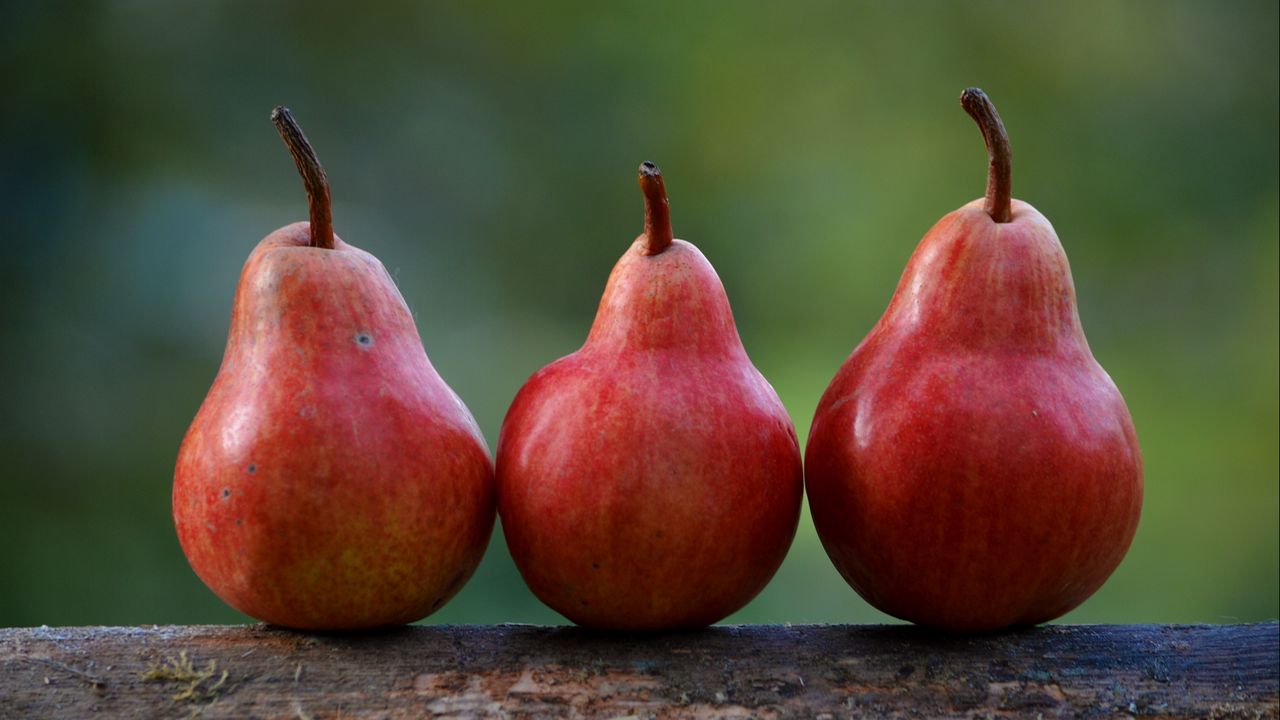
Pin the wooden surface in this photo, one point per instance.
(742, 671)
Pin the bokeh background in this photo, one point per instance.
(486, 153)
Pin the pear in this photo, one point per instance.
(971, 466)
(331, 480)
(652, 479)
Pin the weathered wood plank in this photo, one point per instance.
(744, 671)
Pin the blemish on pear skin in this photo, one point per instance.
(226, 493)
(253, 468)
(456, 582)
(364, 340)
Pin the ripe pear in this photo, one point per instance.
(651, 480)
(331, 479)
(972, 467)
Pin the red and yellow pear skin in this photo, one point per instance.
(331, 480)
(971, 466)
(651, 480)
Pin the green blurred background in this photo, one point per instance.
(486, 153)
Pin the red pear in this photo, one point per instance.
(652, 479)
(331, 480)
(972, 466)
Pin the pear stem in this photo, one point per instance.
(313, 177)
(1000, 166)
(657, 214)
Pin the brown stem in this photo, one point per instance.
(1000, 167)
(313, 177)
(657, 215)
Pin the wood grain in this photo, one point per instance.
(738, 671)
